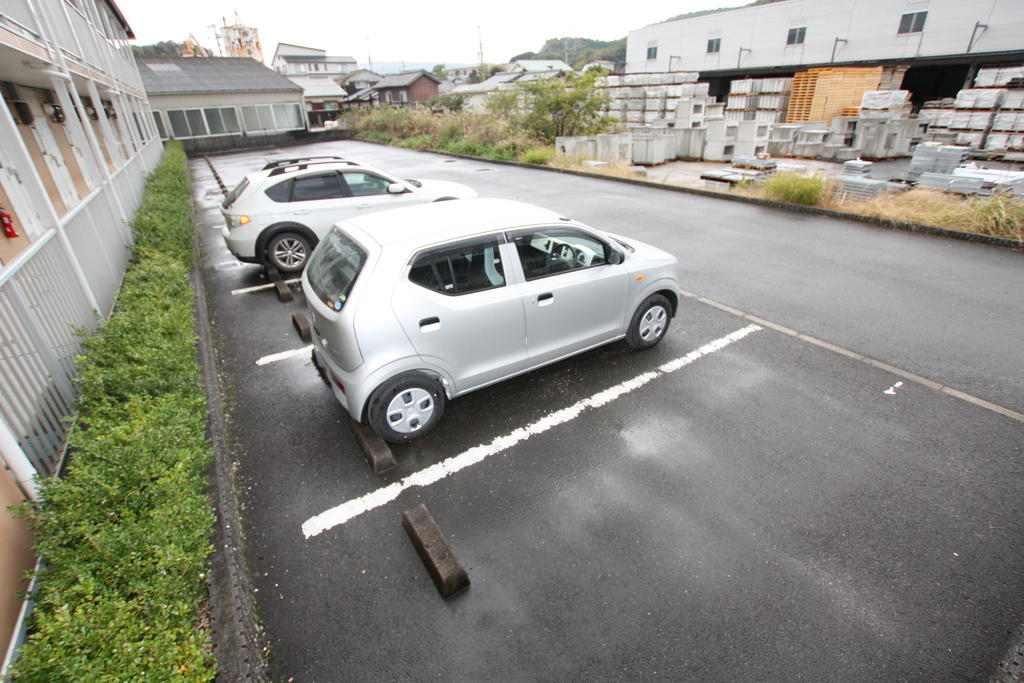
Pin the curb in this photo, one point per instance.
(903, 226)
(239, 642)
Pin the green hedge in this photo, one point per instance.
(126, 532)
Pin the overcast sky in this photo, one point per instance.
(438, 31)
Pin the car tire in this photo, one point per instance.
(650, 322)
(406, 407)
(288, 252)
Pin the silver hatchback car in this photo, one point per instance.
(415, 306)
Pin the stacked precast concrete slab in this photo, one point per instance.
(988, 117)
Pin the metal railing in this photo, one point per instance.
(44, 312)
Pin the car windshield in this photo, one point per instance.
(235, 193)
(334, 268)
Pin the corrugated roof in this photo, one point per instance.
(318, 86)
(491, 83)
(174, 75)
(403, 80)
(542, 65)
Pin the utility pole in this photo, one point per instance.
(480, 41)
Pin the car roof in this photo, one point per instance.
(426, 224)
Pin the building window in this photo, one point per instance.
(714, 45)
(796, 36)
(652, 52)
(912, 22)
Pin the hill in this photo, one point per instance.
(578, 51)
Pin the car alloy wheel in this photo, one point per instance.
(288, 252)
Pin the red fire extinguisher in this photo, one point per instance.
(8, 222)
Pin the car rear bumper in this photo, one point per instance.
(244, 249)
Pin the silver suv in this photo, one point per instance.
(412, 307)
(277, 215)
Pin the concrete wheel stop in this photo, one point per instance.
(284, 293)
(301, 324)
(442, 565)
(376, 450)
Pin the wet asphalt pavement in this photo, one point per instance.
(767, 511)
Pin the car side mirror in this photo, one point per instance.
(615, 257)
(396, 188)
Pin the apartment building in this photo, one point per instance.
(77, 141)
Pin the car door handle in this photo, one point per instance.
(300, 212)
(545, 299)
(364, 205)
(430, 324)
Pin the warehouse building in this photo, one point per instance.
(932, 48)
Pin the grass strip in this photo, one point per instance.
(125, 533)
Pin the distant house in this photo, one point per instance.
(323, 97)
(540, 65)
(461, 74)
(367, 97)
(298, 60)
(407, 89)
(358, 80)
(475, 94)
(605, 64)
(201, 97)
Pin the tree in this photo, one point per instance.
(164, 48)
(555, 107)
(440, 71)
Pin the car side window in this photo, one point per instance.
(317, 186)
(549, 251)
(462, 268)
(362, 184)
(282, 192)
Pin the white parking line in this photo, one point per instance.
(258, 288)
(284, 355)
(867, 360)
(425, 477)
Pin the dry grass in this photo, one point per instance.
(619, 170)
(999, 216)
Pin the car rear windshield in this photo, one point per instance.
(235, 193)
(334, 268)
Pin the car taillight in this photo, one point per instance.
(337, 382)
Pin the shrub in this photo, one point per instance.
(999, 216)
(126, 531)
(795, 188)
(538, 155)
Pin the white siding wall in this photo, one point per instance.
(869, 27)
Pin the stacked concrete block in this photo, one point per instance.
(857, 167)
(656, 98)
(886, 138)
(751, 138)
(810, 142)
(758, 99)
(861, 187)
(720, 143)
(782, 139)
(614, 147)
(986, 117)
(650, 150)
(997, 76)
(931, 157)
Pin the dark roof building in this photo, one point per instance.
(204, 97)
(407, 88)
(180, 75)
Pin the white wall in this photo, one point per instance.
(869, 26)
